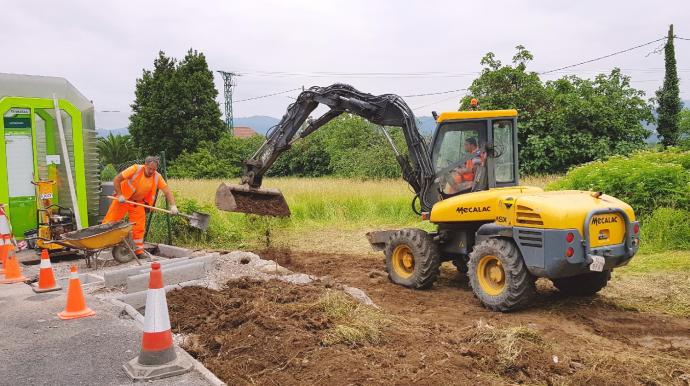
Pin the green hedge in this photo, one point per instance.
(646, 180)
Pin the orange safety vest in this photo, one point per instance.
(468, 176)
(128, 186)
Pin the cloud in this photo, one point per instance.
(102, 47)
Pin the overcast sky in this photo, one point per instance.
(102, 46)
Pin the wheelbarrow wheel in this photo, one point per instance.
(121, 254)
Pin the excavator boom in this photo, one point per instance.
(384, 110)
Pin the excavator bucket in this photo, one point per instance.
(244, 199)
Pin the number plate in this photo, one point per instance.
(46, 196)
(597, 264)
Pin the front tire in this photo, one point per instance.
(499, 277)
(412, 259)
(583, 285)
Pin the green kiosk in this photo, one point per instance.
(31, 149)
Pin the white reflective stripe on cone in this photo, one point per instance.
(45, 263)
(74, 275)
(156, 318)
(4, 226)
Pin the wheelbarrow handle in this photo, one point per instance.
(151, 207)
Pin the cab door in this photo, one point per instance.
(19, 154)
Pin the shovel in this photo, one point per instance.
(196, 219)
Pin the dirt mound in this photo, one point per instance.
(272, 332)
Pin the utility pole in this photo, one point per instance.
(228, 84)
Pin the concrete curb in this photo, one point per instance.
(139, 320)
(172, 274)
(138, 299)
(119, 277)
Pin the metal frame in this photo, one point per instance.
(35, 105)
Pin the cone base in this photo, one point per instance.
(15, 280)
(39, 290)
(139, 372)
(66, 315)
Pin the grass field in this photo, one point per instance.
(329, 211)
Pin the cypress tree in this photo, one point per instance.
(668, 97)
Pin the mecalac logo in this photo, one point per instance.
(604, 220)
(473, 209)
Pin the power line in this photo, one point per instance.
(602, 57)
(433, 103)
(322, 74)
(267, 95)
(434, 93)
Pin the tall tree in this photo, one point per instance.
(175, 108)
(668, 97)
(563, 122)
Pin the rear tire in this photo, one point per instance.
(583, 285)
(498, 276)
(412, 259)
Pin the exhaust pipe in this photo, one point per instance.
(244, 199)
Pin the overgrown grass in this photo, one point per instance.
(355, 323)
(510, 342)
(316, 203)
(657, 282)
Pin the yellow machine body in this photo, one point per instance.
(531, 207)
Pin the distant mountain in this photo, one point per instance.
(105, 132)
(260, 123)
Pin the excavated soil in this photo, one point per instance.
(266, 204)
(270, 333)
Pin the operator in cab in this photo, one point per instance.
(138, 183)
(464, 176)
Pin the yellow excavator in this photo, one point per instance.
(466, 182)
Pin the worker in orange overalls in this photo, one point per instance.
(138, 183)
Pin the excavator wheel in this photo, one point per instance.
(412, 259)
(499, 277)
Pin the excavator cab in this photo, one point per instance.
(475, 150)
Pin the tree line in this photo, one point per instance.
(564, 122)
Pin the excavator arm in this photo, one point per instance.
(384, 110)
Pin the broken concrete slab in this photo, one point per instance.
(171, 275)
(359, 295)
(172, 251)
(273, 268)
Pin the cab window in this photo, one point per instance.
(504, 150)
(456, 144)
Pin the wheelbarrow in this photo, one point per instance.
(93, 240)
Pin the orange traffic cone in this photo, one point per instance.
(13, 272)
(158, 357)
(76, 305)
(46, 277)
(5, 237)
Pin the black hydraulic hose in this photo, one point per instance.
(414, 207)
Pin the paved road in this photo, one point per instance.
(37, 348)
